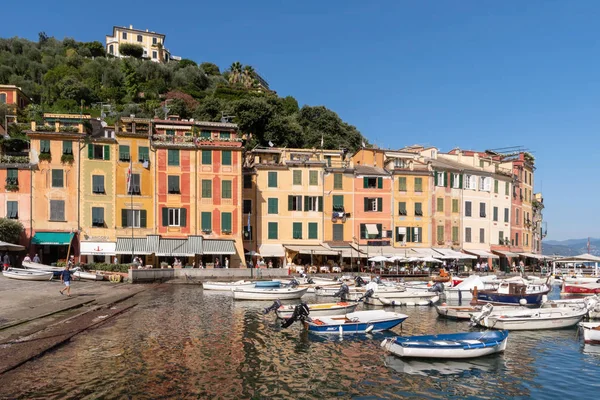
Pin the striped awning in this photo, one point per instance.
(531, 255)
(216, 246)
(174, 248)
(137, 246)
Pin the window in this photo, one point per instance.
(401, 234)
(482, 210)
(224, 135)
(440, 234)
(328, 160)
(154, 40)
(313, 178)
(272, 229)
(414, 235)
(402, 184)
(226, 157)
(516, 239)
(206, 157)
(45, 146)
(272, 179)
(134, 186)
(247, 181)
(338, 232)
(225, 222)
(111, 49)
(206, 221)
(173, 184)
(98, 152)
(272, 206)
(456, 181)
(506, 219)
(58, 178)
(526, 239)
(517, 216)
(124, 153)
(467, 208)
(418, 184)
(154, 55)
(495, 185)
(402, 208)
(170, 132)
(205, 134)
(495, 216)
(373, 204)
(12, 209)
(485, 184)
(294, 203)
(98, 184)
(247, 207)
(454, 205)
(173, 216)
(418, 210)
(226, 192)
(399, 163)
(372, 183)
(440, 204)
(313, 230)
(57, 210)
(12, 176)
(297, 230)
(173, 157)
(67, 147)
(440, 179)
(98, 217)
(338, 203)
(124, 35)
(481, 235)
(139, 38)
(506, 189)
(455, 234)
(468, 235)
(2, 98)
(501, 237)
(338, 181)
(297, 177)
(470, 182)
(143, 154)
(364, 232)
(313, 203)
(206, 188)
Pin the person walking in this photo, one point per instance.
(65, 278)
(36, 259)
(27, 258)
(6, 261)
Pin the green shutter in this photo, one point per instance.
(272, 178)
(440, 204)
(226, 221)
(67, 147)
(273, 206)
(435, 177)
(402, 208)
(226, 190)
(409, 234)
(379, 183)
(402, 184)
(206, 157)
(124, 218)
(143, 218)
(440, 233)
(182, 217)
(460, 181)
(306, 203)
(290, 203)
(206, 223)
(338, 200)
(206, 188)
(165, 216)
(379, 204)
(455, 234)
(363, 231)
(420, 232)
(495, 185)
(91, 151)
(506, 189)
(451, 180)
(297, 230)
(366, 204)
(107, 152)
(226, 157)
(445, 179)
(338, 181)
(143, 154)
(123, 152)
(320, 203)
(365, 182)
(313, 228)
(313, 178)
(272, 230)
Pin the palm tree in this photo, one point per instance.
(236, 72)
(248, 76)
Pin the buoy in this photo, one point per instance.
(369, 328)
(523, 302)
(341, 331)
(444, 304)
(544, 298)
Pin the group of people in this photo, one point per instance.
(482, 267)
(6, 262)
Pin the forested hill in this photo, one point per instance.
(62, 75)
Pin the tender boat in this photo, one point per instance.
(42, 267)
(267, 284)
(407, 298)
(579, 280)
(512, 292)
(319, 310)
(356, 322)
(530, 319)
(268, 294)
(87, 275)
(453, 345)
(227, 286)
(456, 312)
(582, 288)
(28, 274)
(591, 332)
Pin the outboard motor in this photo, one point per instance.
(301, 311)
(367, 294)
(359, 281)
(438, 287)
(485, 311)
(378, 281)
(272, 307)
(293, 283)
(310, 281)
(342, 293)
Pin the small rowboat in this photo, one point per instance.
(452, 312)
(268, 294)
(408, 298)
(356, 322)
(28, 274)
(227, 286)
(530, 319)
(453, 345)
(267, 284)
(591, 332)
(42, 267)
(88, 276)
(319, 310)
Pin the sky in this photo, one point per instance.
(470, 74)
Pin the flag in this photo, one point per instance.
(129, 172)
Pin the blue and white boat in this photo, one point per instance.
(355, 322)
(513, 293)
(267, 284)
(453, 345)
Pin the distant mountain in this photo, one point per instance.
(570, 247)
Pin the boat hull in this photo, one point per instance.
(591, 332)
(584, 288)
(421, 298)
(268, 294)
(319, 310)
(28, 275)
(267, 284)
(356, 322)
(227, 286)
(450, 312)
(501, 298)
(552, 320)
(88, 276)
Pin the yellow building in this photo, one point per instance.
(152, 42)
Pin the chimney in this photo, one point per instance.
(476, 159)
(130, 26)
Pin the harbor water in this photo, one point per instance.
(183, 342)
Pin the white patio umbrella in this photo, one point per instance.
(397, 258)
(10, 247)
(378, 259)
(252, 253)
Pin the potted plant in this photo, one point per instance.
(67, 159)
(45, 157)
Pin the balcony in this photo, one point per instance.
(135, 191)
(338, 212)
(14, 158)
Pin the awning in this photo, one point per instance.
(449, 254)
(372, 229)
(531, 255)
(314, 249)
(97, 248)
(580, 258)
(52, 238)
(271, 250)
(423, 252)
(138, 247)
(506, 253)
(174, 248)
(482, 253)
(4, 246)
(216, 246)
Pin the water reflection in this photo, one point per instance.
(432, 368)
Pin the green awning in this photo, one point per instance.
(55, 238)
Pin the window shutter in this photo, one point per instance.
(320, 203)
(94, 214)
(306, 203)
(409, 235)
(107, 152)
(91, 151)
(101, 215)
(420, 232)
(165, 216)
(435, 175)
(290, 202)
(124, 218)
(366, 204)
(379, 204)
(363, 231)
(365, 182)
(380, 183)
(460, 181)
(445, 179)
(182, 217)
(143, 217)
(379, 230)
(451, 180)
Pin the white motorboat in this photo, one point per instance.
(464, 290)
(356, 322)
(41, 267)
(453, 345)
(227, 286)
(408, 297)
(319, 310)
(456, 312)
(28, 274)
(87, 275)
(268, 294)
(530, 319)
(591, 332)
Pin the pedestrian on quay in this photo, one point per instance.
(36, 259)
(226, 262)
(65, 278)
(6, 261)
(27, 258)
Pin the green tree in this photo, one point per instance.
(248, 77)
(186, 62)
(131, 79)
(210, 68)
(96, 48)
(235, 73)
(131, 50)
(10, 230)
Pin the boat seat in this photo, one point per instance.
(318, 322)
(445, 342)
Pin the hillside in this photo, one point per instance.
(62, 76)
(571, 247)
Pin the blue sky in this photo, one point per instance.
(472, 74)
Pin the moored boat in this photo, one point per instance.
(408, 297)
(227, 286)
(582, 288)
(267, 284)
(42, 267)
(87, 275)
(530, 319)
(319, 310)
(356, 322)
(512, 292)
(456, 312)
(453, 345)
(268, 294)
(591, 332)
(464, 290)
(28, 274)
